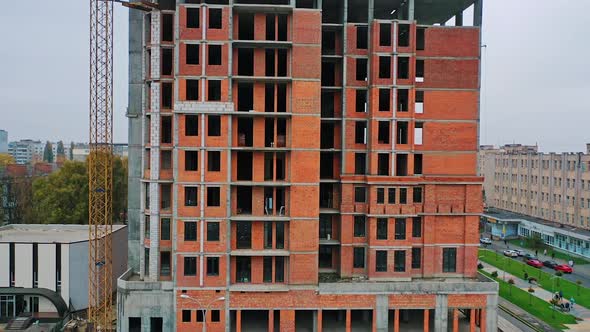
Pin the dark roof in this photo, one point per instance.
(513, 216)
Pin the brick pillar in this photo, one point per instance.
(396, 320)
(482, 320)
(238, 321)
(472, 320)
(455, 320)
(374, 325)
(426, 320)
(287, 321)
(477, 314)
(319, 327)
(348, 319)
(271, 320)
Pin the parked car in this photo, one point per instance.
(564, 268)
(510, 253)
(535, 263)
(528, 256)
(520, 252)
(550, 264)
(485, 240)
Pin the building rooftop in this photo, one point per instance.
(513, 216)
(33, 233)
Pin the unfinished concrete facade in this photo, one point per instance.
(307, 165)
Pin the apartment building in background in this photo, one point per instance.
(26, 150)
(551, 190)
(3, 141)
(300, 165)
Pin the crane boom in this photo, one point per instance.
(100, 166)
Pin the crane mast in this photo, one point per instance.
(100, 166)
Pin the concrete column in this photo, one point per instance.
(459, 19)
(426, 320)
(318, 325)
(478, 13)
(396, 320)
(441, 313)
(472, 315)
(271, 320)
(455, 320)
(381, 313)
(348, 321)
(411, 10)
(238, 321)
(491, 313)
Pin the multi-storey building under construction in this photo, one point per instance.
(299, 165)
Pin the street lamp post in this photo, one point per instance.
(203, 308)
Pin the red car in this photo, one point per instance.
(535, 263)
(564, 268)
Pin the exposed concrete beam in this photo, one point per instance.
(459, 19)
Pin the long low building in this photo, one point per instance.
(504, 224)
(45, 267)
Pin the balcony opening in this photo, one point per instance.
(325, 257)
(191, 160)
(335, 320)
(167, 95)
(246, 26)
(360, 132)
(419, 105)
(327, 196)
(268, 201)
(418, 133)
(267, 261)
(281, 133)
(282, 98)
(270, 27)
(213, 196)
(419, 70)
(306, 4)
(269, 132)
(190, 196)
(401, 165)
(245, 97)
(244, 165)
(325, 227)
(383, 164)
(215, 21)
(327, 135)
(420, 39)
(166, 129)
(245, 132)
(380, 195)
(362, 35)
(282, 21)
(402, 132)
(417, 163)
(382, 224)
(384, 34)
(402, 100)
(326, 165)
(243, 200)
(167, 27)
(332, 11)
(328, 77)
(417, 195)
(358, 12)
(281, 63)
(167, 61)
(400, 228)
(245, 62)
(279, 272)
(327, 104)
(383, 132)
(269, 62)
(192, 90)
(361, 101)
(328, 42)
(361, 69)
(214, 56)
(166, 159)
(403, 67)
(167, 4)
(213, 161)
(384, 67)
(269, 97)
(360, 163)
(214, 90)
(214, 125)
(192, 54)
(243, 270)
(403, 35)
(193, 17)
(268, 166)
(166, 196)
(280, 165)
(280, 208)
(384, 100)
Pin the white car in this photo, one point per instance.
(510, 253)
(520, 252)
(485, 240)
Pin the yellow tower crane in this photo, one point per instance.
(100, 162)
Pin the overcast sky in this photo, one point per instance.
(536, 72)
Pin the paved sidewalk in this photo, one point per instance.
(524, 315)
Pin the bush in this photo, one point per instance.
(479, 266)
(494, 274)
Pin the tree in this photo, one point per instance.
(119, 190)
(510, 283)
(60, 149)
(5, 159)
(72, 151)
(531, 291)
(48, 152)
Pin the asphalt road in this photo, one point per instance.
(581, 274)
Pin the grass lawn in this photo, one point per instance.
(517, 268)
(558, 254)
(538, 308)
